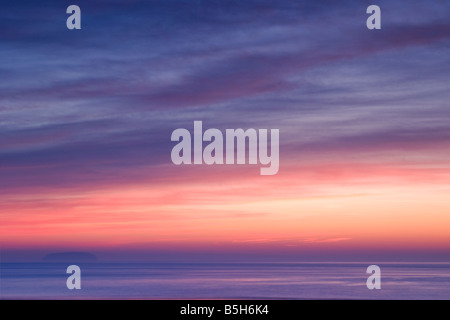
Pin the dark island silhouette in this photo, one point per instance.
(70, 257)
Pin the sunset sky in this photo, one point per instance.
(86, 118)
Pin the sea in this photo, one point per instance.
(237, 281)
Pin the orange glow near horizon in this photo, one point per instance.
(357, 207)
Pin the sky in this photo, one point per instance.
(86, 118)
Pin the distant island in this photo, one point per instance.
(70, 257)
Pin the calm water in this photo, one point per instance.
(225, 281)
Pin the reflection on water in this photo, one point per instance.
(226, 281)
